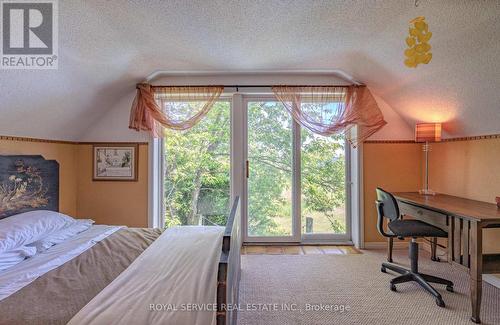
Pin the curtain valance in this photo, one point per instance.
(324, 110)
(333, 110)
(177, 108)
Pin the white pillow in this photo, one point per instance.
(15, 256)
(25, 228)
(61, 235)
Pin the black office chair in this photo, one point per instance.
(387, 207)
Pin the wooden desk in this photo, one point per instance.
(464, 221)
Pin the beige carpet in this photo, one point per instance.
(354, 284)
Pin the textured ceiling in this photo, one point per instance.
(105, 47)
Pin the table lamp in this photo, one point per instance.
(427, 132)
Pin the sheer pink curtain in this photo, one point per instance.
(177, 108)
(332, 110)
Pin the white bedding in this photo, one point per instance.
(25, 228)
(22, 274)
(15, 256)
(176, 272)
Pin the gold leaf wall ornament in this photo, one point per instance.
(418, 50)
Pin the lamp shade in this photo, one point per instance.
(428, 132)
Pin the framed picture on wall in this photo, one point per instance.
(115, 162)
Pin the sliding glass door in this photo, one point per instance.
(295, 180)
(270, 178)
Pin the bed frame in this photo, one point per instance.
(228, 280)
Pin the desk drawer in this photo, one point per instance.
(432, 217)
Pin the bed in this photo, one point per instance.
(91, 277)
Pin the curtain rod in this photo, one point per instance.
(253, 86)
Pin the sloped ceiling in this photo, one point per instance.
(105, 47)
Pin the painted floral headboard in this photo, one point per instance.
(28, 183)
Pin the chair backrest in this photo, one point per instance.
(387, 207)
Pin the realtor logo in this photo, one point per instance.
(29, 34)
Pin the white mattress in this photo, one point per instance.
(19, 276)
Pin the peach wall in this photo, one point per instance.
(121, 203)
(462, 168)
(392, 166)
(469, 169)
(112, 203)
(65, 154)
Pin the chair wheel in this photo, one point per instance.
(450, 289)
(383, 270)
(440, 303)
(393, 287)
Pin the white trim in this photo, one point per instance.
(361, 196)
(238, 156)
(493, 279)
(348, 189)
(356, 204)
(236, 138)
(193, 73)
(151, 184)
(302, 243)
(155, 187)
(296, 181)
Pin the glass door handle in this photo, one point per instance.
(247, 169)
